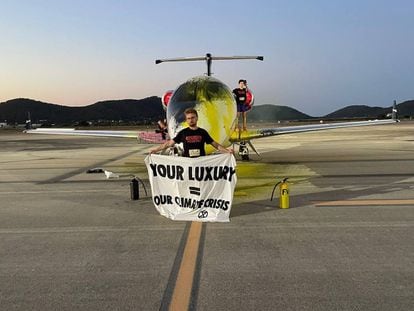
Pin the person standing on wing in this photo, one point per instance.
(193, 138)
(240, 94)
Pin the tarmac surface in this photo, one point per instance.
(75, 241)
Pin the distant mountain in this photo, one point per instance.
(275, 113)
(358, 111)
(150, 109)
(405, 109)
(147, 109)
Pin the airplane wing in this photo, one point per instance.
(153, 137)
(142, 136)
(265, 132)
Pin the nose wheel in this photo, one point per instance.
(244, 151)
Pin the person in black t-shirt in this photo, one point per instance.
(193, 141)
(240, 94)
(193, 138)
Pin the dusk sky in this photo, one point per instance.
(319, 55)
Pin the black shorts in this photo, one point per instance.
(242, 107)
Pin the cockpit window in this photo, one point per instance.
(184, 97)
(215, 89)
(185, 93)
(193, 92)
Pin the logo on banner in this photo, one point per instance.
(203, 214)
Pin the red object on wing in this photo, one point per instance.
(166, 98)
(151, 137)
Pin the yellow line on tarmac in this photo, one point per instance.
(365, 202)
(182, 291)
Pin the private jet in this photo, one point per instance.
(217, 113)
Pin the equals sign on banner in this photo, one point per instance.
(195, 190)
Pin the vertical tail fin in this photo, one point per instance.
(394, 111)
(28, 125)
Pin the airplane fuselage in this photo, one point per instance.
(214, 103)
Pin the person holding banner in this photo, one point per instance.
(193, 138)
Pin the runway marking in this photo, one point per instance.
(320, 225)
(182, 288)
(367, 202)
(62, 177)
(184, 284)
(87, 229)
(141, 228)
(60, 191)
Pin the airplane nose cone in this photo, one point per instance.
(185, 96)
(212, 100)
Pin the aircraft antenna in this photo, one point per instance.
(208, 58)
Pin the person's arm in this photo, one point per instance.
(163, 146)
(221, 148)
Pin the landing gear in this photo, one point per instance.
(244, 151)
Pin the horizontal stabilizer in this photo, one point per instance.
(206, 58)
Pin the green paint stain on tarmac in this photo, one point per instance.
(255, 179)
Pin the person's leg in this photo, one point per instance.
(244, 121)
(237, 125)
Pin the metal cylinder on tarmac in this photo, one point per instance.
(284, 194)
(134, 188)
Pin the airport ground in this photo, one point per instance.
(75, 241)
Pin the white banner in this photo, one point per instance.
(193, 189)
